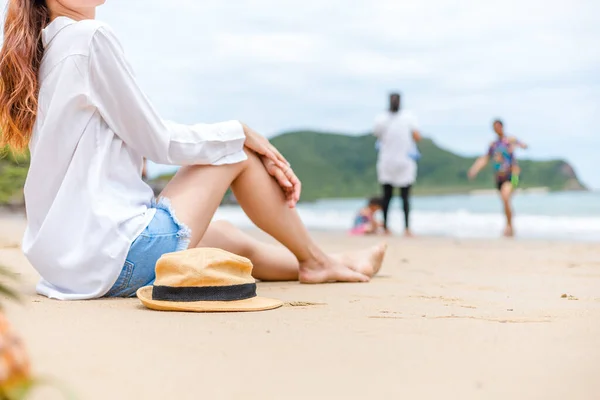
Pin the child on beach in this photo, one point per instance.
(94, 228)
(365, 222)
(507, 171)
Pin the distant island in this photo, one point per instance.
(341, 166)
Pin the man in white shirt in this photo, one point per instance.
(397, 132)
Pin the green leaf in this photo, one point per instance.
(21, 392)
(6, 274)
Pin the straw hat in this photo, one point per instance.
(204, 280)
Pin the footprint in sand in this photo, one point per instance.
(568, 297)
(499, 320)
(388, 315)
(302, 304)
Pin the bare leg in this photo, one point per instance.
(506, 193)
(405, 195)
(271, 262)
(388, 193)
(195, 193)
(275, 262)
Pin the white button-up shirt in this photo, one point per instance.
(85, 199)
(395, 166)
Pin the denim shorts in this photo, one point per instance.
(164, 234)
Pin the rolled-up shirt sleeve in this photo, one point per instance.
(122, 104)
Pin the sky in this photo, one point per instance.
(329, 65)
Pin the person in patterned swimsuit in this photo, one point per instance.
(502, 154)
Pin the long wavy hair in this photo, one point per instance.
(20, 60)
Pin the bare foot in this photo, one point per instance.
(367, 261)
(509, 232)
(328, 269)
(408, 233)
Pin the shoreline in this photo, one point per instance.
(18, 219)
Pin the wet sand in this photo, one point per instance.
(446, 319)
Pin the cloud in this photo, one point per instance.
(329, 64)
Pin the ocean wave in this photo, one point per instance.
(459, 223)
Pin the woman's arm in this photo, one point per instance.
(115, 92)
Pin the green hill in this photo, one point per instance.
(340, 166)
(13, 170)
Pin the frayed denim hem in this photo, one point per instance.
(184, 233)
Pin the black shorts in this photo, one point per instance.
(502, 180)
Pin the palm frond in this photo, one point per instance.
(11, 294)
(4, 271)
(22, 391)
(6, 274)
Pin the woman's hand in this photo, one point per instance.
(261, 146)
(286, 178)
(275, 164)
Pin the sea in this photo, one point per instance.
(570, 216)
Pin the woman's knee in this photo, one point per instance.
(252, 161)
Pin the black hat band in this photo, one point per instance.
(204, 293)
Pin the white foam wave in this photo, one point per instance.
(460, 223)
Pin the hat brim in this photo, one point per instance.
(252, 304)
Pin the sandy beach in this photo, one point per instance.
(446, 319)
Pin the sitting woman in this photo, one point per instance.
(94, 229)
(365, 222)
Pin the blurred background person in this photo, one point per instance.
(397, 133)
(506, 169)
(365, 222)
(145, 169)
